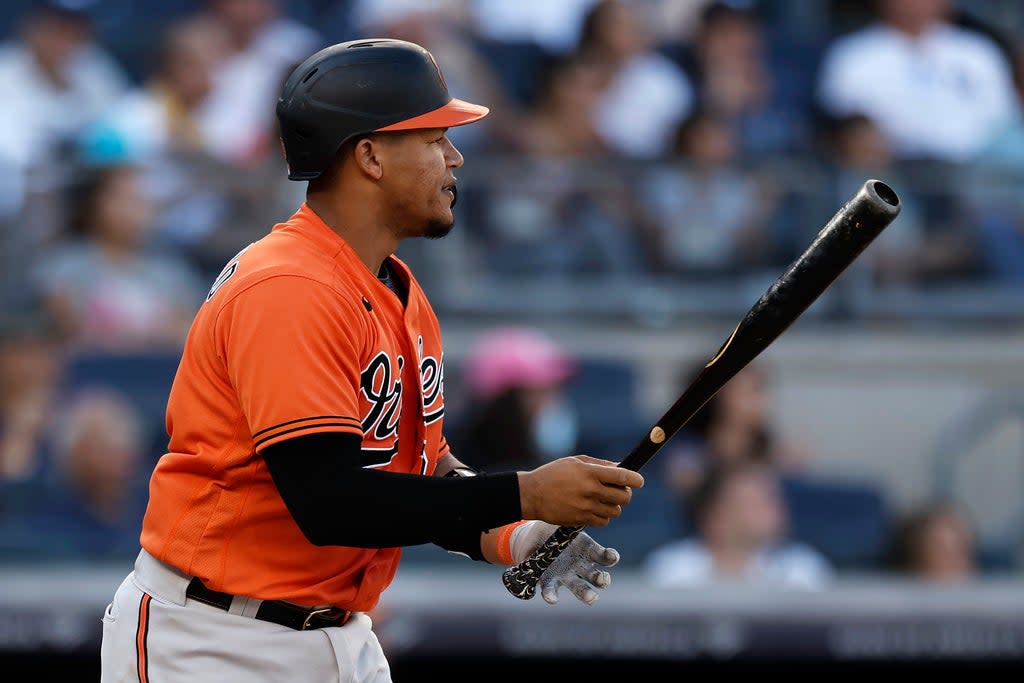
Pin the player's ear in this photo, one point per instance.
(367, 155)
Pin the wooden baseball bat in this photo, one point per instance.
(842, 239)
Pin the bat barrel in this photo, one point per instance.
(836, 246)
(870, 210)
(883, 196)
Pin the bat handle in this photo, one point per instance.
(521, 580)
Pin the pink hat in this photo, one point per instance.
(507, 357)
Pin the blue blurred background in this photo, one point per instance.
(649, 167)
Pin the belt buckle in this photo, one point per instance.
(319, 612)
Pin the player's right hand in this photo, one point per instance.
(577, 491)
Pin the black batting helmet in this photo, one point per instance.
(359, 87)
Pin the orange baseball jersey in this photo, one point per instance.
(296, 336)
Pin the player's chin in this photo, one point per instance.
(437, 228)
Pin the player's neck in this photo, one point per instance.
(360, 228)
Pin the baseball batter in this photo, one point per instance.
(306, 417)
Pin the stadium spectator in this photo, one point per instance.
(561, 121)
(741, 527)
(644, 95)
(733, 428)
(105, 289)
(30, 363)
(93, 504)
(263, 45)
(1005, 150)
(711, 215)
(936, 542)
(56, 78)
(917, 250)
(205, 208)
(937, 91)
(734, 79)
(157, 127)
(1000, 223)
(160, 117)
(559, 211)
(991, 190)
(519, 415)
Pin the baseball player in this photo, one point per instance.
(305, 420)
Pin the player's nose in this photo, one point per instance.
(453, 156)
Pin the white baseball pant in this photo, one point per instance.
(152, 631)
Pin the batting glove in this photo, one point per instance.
(578, 568)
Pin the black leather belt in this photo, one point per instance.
(275, 611)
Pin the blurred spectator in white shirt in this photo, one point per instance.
(741, 537)
(264, 45)
(646, 95)
(936, 90)
(106, 290)
(56, 79)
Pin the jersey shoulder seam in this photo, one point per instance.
(262, 278)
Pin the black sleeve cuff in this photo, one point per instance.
(493, 501)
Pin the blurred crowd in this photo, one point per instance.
(683, 139)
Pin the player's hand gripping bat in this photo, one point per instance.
(842, 239)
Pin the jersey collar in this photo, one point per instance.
(310, 225)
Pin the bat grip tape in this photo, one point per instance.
(521, 580)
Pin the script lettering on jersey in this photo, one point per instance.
(381, 385)
(432, 380)
(226, 273)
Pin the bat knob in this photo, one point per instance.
(517, 584)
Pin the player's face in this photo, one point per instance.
(420, 176)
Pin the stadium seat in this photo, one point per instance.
(651, 519)
(144, 378)
(847, 521)
(516, 64)
(603, 392)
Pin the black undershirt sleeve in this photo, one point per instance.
(337, 501)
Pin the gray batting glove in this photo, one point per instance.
(578, 568)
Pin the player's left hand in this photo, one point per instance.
(579, 568)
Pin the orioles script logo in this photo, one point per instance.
(432, 381)
(382, 386)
